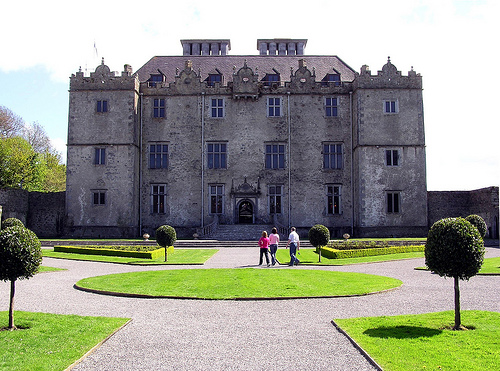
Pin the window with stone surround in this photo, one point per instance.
(274, 107)
(216, 196)
(217, 155)
(158, 198)
(159, 107)
(333, 199)
(332, 156)
(392, 157)
(158, 155)
(99, 156)
(217, 107)
(275, 156)
(393, 202)
(102, 106)
(98, 197)
(275, 194)
(331, 109)
(391, 106)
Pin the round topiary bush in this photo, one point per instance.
(165, 237)
(12, 222)
(319, 236)
(20, 257)
(479, 223)
(455, 249)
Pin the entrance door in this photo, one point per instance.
(245, 212)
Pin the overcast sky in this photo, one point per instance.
(450, 43)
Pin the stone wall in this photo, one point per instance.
(450, 204)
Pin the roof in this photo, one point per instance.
(261, 65)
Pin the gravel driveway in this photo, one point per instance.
(168, 334)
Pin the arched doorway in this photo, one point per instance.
(245, 212)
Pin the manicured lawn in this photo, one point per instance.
(423, 342)
(240, 283)
(44, 269)
(309, 256)
(180, 256)
(51, 341)
(491, 266)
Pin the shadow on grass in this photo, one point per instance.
(402, 332)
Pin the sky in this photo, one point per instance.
(450, 43)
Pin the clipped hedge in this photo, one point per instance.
(112, 251)
(330, 253)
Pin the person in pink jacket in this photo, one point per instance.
(264, 247)
(274, 240)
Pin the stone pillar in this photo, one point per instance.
(195, 49)
(291, 48)
(205, 49)
(224, 48)
(282, 49)
(186, 49)
(300, 49)
(272, 48)
(263, 49)
(214, 48)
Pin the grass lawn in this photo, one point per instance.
(423, 342)
(240, 283)
(180, 256)
(51, 341)
(491, 266)
(44, 269)
(309, 256)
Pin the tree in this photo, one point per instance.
(20, 257)
(20, 166)
(165, 237)
(11, 125)
(479, 223)
(455, 249)
(319, 236)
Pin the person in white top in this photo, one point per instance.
(294, 243)
(274, 239)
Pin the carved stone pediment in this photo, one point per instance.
(245, 189)
(245, 83)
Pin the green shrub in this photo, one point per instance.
(479, 223)
(455, 249)
(165, 237)
(20, 257)
(12, 222)
(319, 235)
(331, 253)
(112, 251)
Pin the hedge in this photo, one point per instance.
(110, 251)
(330, 253)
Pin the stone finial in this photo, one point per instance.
(302, 63)
(189, 64)
(102, 61)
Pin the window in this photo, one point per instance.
(158, 156)
(392, 157)
(217, 107)
(102, 106)
(271, 79)
(158, 198)
(98, 197)
(154, 80)
(332, 156)
(100, 156)
(213, 78)
(275, 194)
(275, 156)
(393, 202)
(331, 79)
(158, 107)
(273, 107)
(331, 107)
(216, 199)
(391, 106)
(217, 155)
(333, 194)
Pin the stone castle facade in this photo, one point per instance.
(278, 138)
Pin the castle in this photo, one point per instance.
(279, 138)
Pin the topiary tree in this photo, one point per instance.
(455, 249)
(165, 237)
(319, 236)
(20, 257)
(479, 223)
(12, 222)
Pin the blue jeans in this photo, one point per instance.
(273, 249)
(293, 251)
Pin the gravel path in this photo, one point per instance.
(240, 335)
